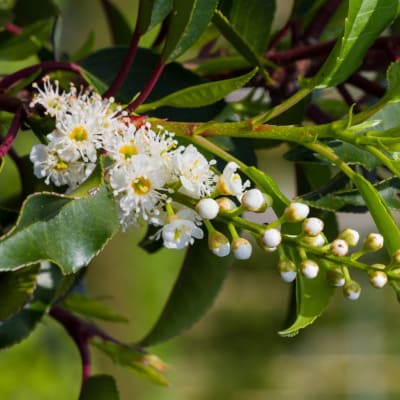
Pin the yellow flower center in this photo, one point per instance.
(79, 133)
(61, 166)
(128, 150)
(141, 186)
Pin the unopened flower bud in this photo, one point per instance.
(373, 242)
(256, 201)
(352, 290)
(296, 212)
(378, 279)
(225, 204)
(287, 269)
(207, 208)
(313, 226)
(241, 248)
(309, 269)
(335, 277)
(316, 241)
(219, 244)
(351, 236)
(396, 257)
(271, 238)
(339, 248)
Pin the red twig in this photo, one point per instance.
(279, 36)
(12, 133)
(372, 88)
(13, 29)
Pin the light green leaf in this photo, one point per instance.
(312, 297)
(189, 19)
(61, 229)
(99, 387)
(152, 12)
(27, 43)
(200, 95)
(16, 288)
(92, 308)
(365, 21)
(147, 365)
(199, 281)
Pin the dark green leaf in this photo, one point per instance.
(92, 308)
(16, 288)
(27, 43)
(199, 281)
(253, 20)
(27, 11)
(99, 387)
(152, 12)
(365, 21)
(120, 30)
(312, 296)
(147, 365)
(200, 95)
(148, 243)
(67, 231)
(189, 19)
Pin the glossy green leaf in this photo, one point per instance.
(28, 11)
(64, 230)
(189, 19)
(365, 21)
(200, 95)
(91, 308)
(312, 296)
(120, 30)
(49, 285)
(393, 79)
(152, 12)
(147, 365)
(27, 43)
(199, 281)
(253, 21)
(99, 387)
(16, 288)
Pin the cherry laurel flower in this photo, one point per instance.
(230, 182)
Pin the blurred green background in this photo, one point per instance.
(351, 352)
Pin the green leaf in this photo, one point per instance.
(27, 11)
(152, 12)
(200, 95)
(253, 21)
(365, 21)
(147, 365)
(99, 387)
(85, 48)
(16, 288)
(120, 30)
(27, 43)
(312, 297)
(50, 282)
(393, 79)
(64, 230)
(199, 281)
(189, 19)
(92, 308)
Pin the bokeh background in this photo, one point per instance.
(351, 352)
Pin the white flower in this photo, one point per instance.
(271, 238)
(256, 201)
(230, 183)
(194, 172)
(378, 279)
(313, 226)
(339, 247)
(207, 208)
(373, 242)
(241, 248)
(351, 236)
(219, 244)
(48, 164)
(309, 269)
(296, 212)
(179, 233)
(138, 187)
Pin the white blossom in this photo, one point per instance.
(230, 182)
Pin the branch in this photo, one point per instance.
(12, 133)
(13, 29)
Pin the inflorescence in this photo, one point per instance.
(173, 187)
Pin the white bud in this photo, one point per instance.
(225, 204)
(296, 212)
(317, 241)
(339, 247)
(256, 201)
(271, 237)
(352, 290)
(378, 279)
(335, 277)
(207, 208)
(396, 257)
(373, 242)
(287, 269)
(241, 248)
(313, 226)
(351, 236)
(309, 269)
(219, 244)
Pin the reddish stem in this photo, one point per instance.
(12, 133)
(45, 66)
(13, 29)
(148, 88)
(366, 85)
(279, 36)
